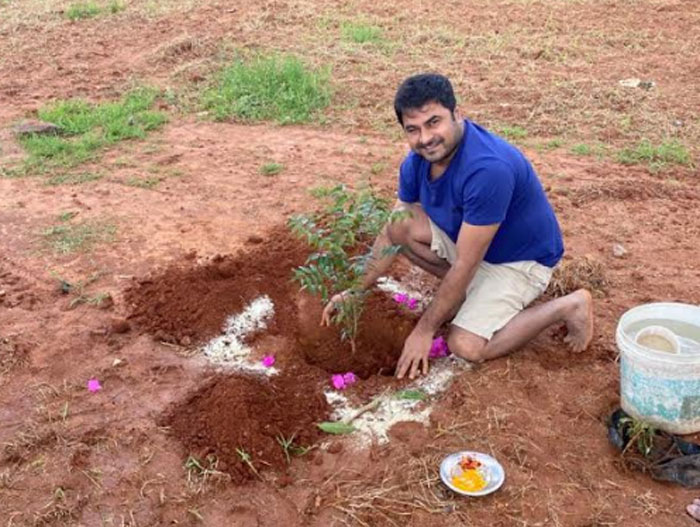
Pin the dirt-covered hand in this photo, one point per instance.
(414, 357)
(331, 306)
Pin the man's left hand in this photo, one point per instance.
(414, 357)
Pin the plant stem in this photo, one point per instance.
(372, 405)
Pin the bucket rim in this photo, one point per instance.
(627, 344)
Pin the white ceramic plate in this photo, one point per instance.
(491, 470)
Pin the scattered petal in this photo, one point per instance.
(400, 298)
(268, 361)
(94, 385)
(412, 303)
(349, 378)
(439, 348)
(338, 381)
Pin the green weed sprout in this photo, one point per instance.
(341, 235)
(286, 443)
(245, 458)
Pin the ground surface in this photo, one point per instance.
(139, 452)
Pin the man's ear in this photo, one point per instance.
(457, 114)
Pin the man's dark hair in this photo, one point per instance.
(418, 90)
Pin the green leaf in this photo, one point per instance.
(411, 395)
(336, 428)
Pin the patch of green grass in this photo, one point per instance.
(377, 168)
(271, 169)
(78, 289)
(276, 88)
(115, 6)
(82, 10)
(73, 179)
(147, 182)
(582, 149)
(67, 216)
(513, 132)
(67, 238)
(361, 33)
(553, 144)
(14, 172)
(668, 152)
(88, 128)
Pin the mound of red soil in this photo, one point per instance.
(239, 416)
(189, 303)
(382, 331)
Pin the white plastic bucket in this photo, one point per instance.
(657, 387)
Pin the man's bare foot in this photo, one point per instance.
(694, 509)
(579, 321)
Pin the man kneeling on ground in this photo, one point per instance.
(478, 219)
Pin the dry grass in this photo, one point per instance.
(621, 189)
(12, 354)
(581, 272)
(202, 475)
(394, 496)
(182, 48)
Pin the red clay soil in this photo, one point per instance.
(382, 331)
(71, 458)
(238, 415)
(188, 303)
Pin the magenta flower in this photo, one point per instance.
(93, 385)
(338, 381)
(268, 360)
(400, 298)
(439, 348)
(412, 303)
(349, 378)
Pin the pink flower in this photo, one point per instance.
(400, 298)
(338, 381)
(268, 360)
(349, 378)
(93, 385)
(439, 348)
(412, 303)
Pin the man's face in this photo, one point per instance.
(432, 131)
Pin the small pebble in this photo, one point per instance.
(618, 251)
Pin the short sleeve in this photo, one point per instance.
(487, 194)
(409, 191)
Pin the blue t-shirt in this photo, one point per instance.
(487, 181)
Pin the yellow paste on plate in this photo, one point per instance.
(469, 481)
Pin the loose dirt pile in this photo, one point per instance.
(188, 303)
(236, 417)
(243, 420)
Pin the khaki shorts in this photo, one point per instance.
(497, 292)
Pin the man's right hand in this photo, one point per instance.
(331, 305)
